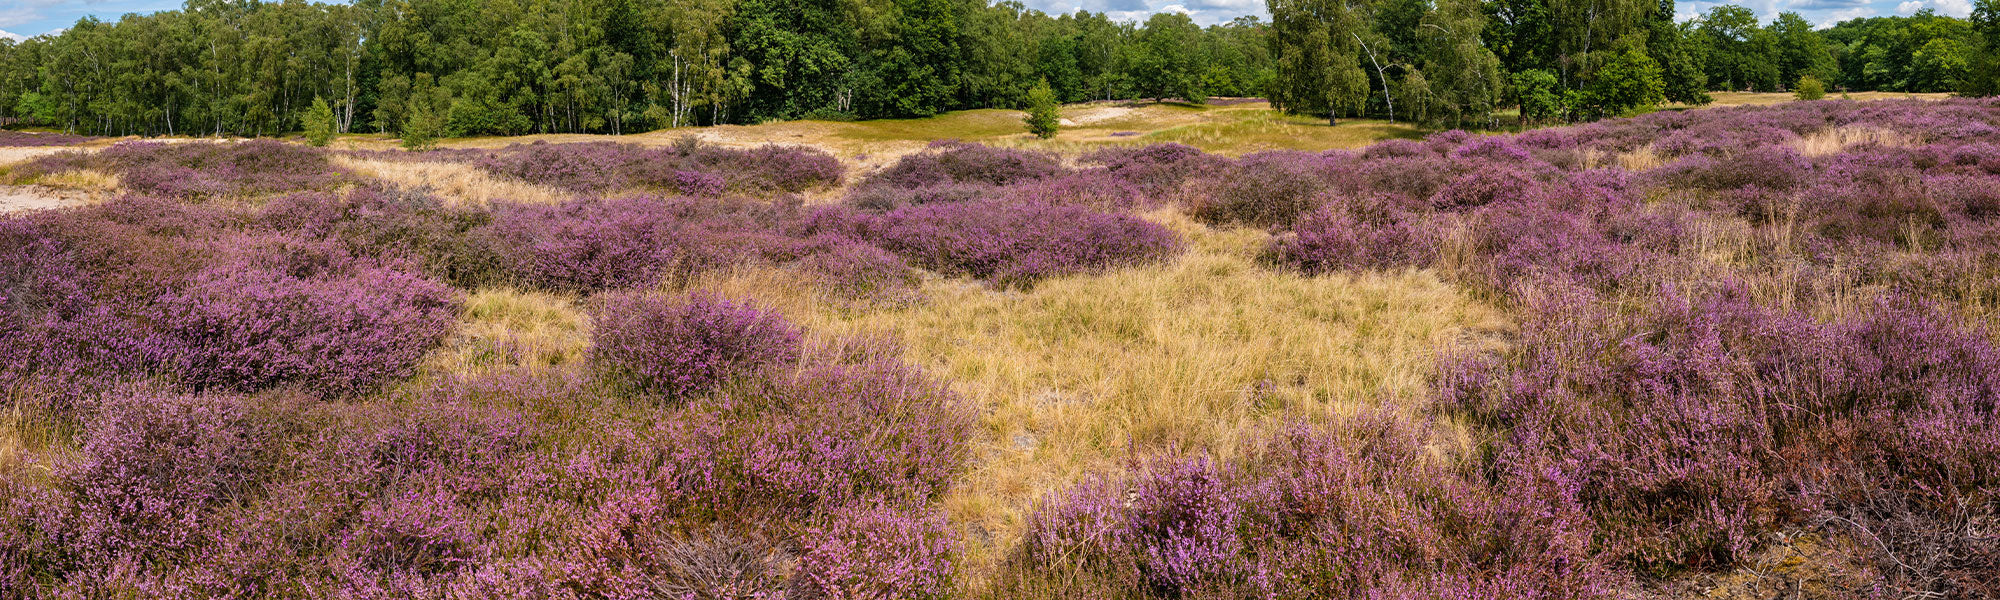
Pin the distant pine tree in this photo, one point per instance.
(1042, 119)
(423, 127)
(319, 123)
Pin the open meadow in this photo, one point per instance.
(1176, 352)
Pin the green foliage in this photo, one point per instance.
(600, 66)
(1629, 82)
(1042, 119)
(318, 122)
(1924, 52)
(1809, 88)
(1539, 93)
(423, 127)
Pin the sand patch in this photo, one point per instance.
(22, 198)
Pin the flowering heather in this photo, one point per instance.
(56, 339)
(879, 552)
(248, 327)
(950, 162)
(201, 170)
(1158, 169)
(1016, 243)
(1265, 189)
(1358, 511)
(24, 139)
(600, 167)
(680, 346)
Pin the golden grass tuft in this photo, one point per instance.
(1081, 373)
(464, 185)
(1643, 159)
(1834, 140)
(502, 328)
(81, 179)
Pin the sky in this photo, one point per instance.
(20, 18)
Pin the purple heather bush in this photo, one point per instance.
(57, 341)
(588, 245)
(687, 169)
(247, 326)
(949, 162)
(1268, 189)
(675, 347)
(201, 170)
(24, 139)
(1336, 238)
(1356, 511)
(1157, 169)
(1017, 243)
(879, 552)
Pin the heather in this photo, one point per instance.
(687, 168)
(1686, 353)
(26, 139)
(202, 170)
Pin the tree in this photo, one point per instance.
(1163, 63)
(423, 127)
(1042, 119)
(1984, 79)
(318, 122)
(1316, 47)
(1630, 81)
(1539, 94)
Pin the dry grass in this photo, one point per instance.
(93, 181)
(505, 329)
(465, 185)
(1078, 374)
(1643, 159)
(1834, 140)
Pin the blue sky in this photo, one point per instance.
(34, 17)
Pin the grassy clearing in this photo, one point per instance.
(503, 328)
(1082, 373)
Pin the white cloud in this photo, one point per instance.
(1176, 8)
(11, 35)
(1844, 15)
(1949, 8)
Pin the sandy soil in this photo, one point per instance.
(19, 198)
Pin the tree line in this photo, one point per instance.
(507, 67)
(1453, 62)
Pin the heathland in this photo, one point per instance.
(1176, 352)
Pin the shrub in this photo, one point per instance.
(1333, 239)
(588, 245)
(827, 436)
(154, 467)
(1269, 189)
(56, 340)
(682, 346)
(949, 162)
(1348, 513)
(879, 552)
(1809, 88)
(198, 171)
(1157, 168)
(247, 327)
(1017, 243)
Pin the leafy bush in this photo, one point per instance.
(682, 346)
